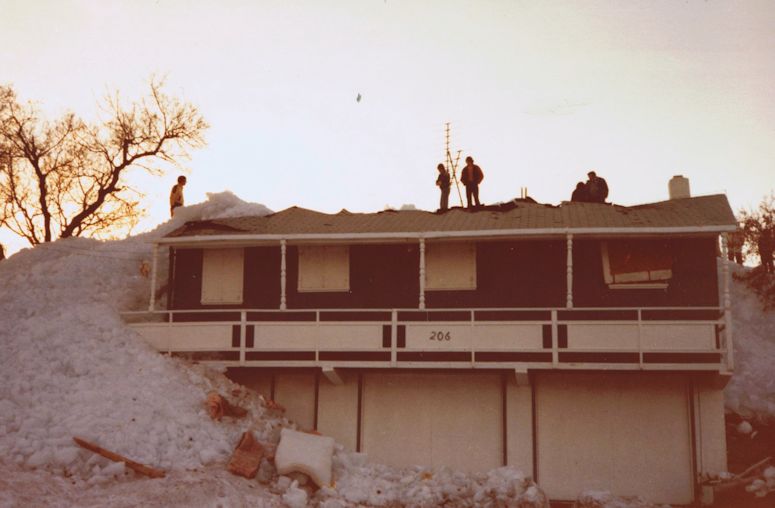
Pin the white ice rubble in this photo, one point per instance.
(70, 367)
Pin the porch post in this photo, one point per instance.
(569, 271)
(283, 303)
(727, 302)
(154, 265)
(422, 273)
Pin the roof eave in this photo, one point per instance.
(493, 233)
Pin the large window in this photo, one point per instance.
(324, 268)
(637, 263)
(222, 275)
(450, 265)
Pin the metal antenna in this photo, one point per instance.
(453, 165)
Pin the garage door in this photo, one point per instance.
(433, 419)
(627, 433)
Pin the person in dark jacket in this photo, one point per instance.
(471, 177)
(443, 183)
(580, 194)
(597, 188)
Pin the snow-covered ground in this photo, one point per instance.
(70, 367)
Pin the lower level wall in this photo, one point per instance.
(633, 433)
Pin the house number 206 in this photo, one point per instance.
(440, 336)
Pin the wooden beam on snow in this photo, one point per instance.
(115, 457)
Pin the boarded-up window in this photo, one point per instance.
(324, 268)
(222, 275)
(633, 263)
(450, 265)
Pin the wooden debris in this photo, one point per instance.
(741, 479)
(274, 405)
(246, 458)
(115, 457)
(219, 407)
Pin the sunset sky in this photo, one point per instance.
(538, 92)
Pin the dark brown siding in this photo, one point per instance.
(381, 276)
(261, 279)
(694, 277)
(187, 290)
(527, 273)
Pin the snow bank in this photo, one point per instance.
(751, 391)
(70, 367)
(359, 483)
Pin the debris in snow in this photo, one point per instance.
(219, 407)
(274, 406)
(744, 427)
(246, 458)
(760, 487)
(115, 457)
(604, 499)
(295, 497)
(305, 453)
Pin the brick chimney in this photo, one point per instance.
(679, 187)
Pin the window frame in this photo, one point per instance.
(610, 281)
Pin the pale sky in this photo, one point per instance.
(538, 92)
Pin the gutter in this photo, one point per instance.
(560, 232)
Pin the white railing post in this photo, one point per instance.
(555, 352)
(730, 354)
(242, 336)
(154, 267)
(283, 275)
(422, 273)
(393, 337)
(640, 339)
(569, 271)
(473, 339)
(317, 337)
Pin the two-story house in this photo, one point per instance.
(587, 344)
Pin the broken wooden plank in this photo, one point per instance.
(246, 457)
(115, 457)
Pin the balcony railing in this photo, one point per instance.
(663, 338)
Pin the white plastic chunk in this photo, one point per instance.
(305, 453)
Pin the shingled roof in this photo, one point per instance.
(700, 214)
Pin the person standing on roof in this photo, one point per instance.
(442, 182)
(580, 193)
(597, 188)
(176, 195)
(471, 177)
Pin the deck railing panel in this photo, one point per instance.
(401, 338)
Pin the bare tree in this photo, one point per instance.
(69, 178)
(759, 228)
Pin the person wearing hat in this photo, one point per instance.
(176, 195)
(597, 188)
(471, 177)
(442, 182)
